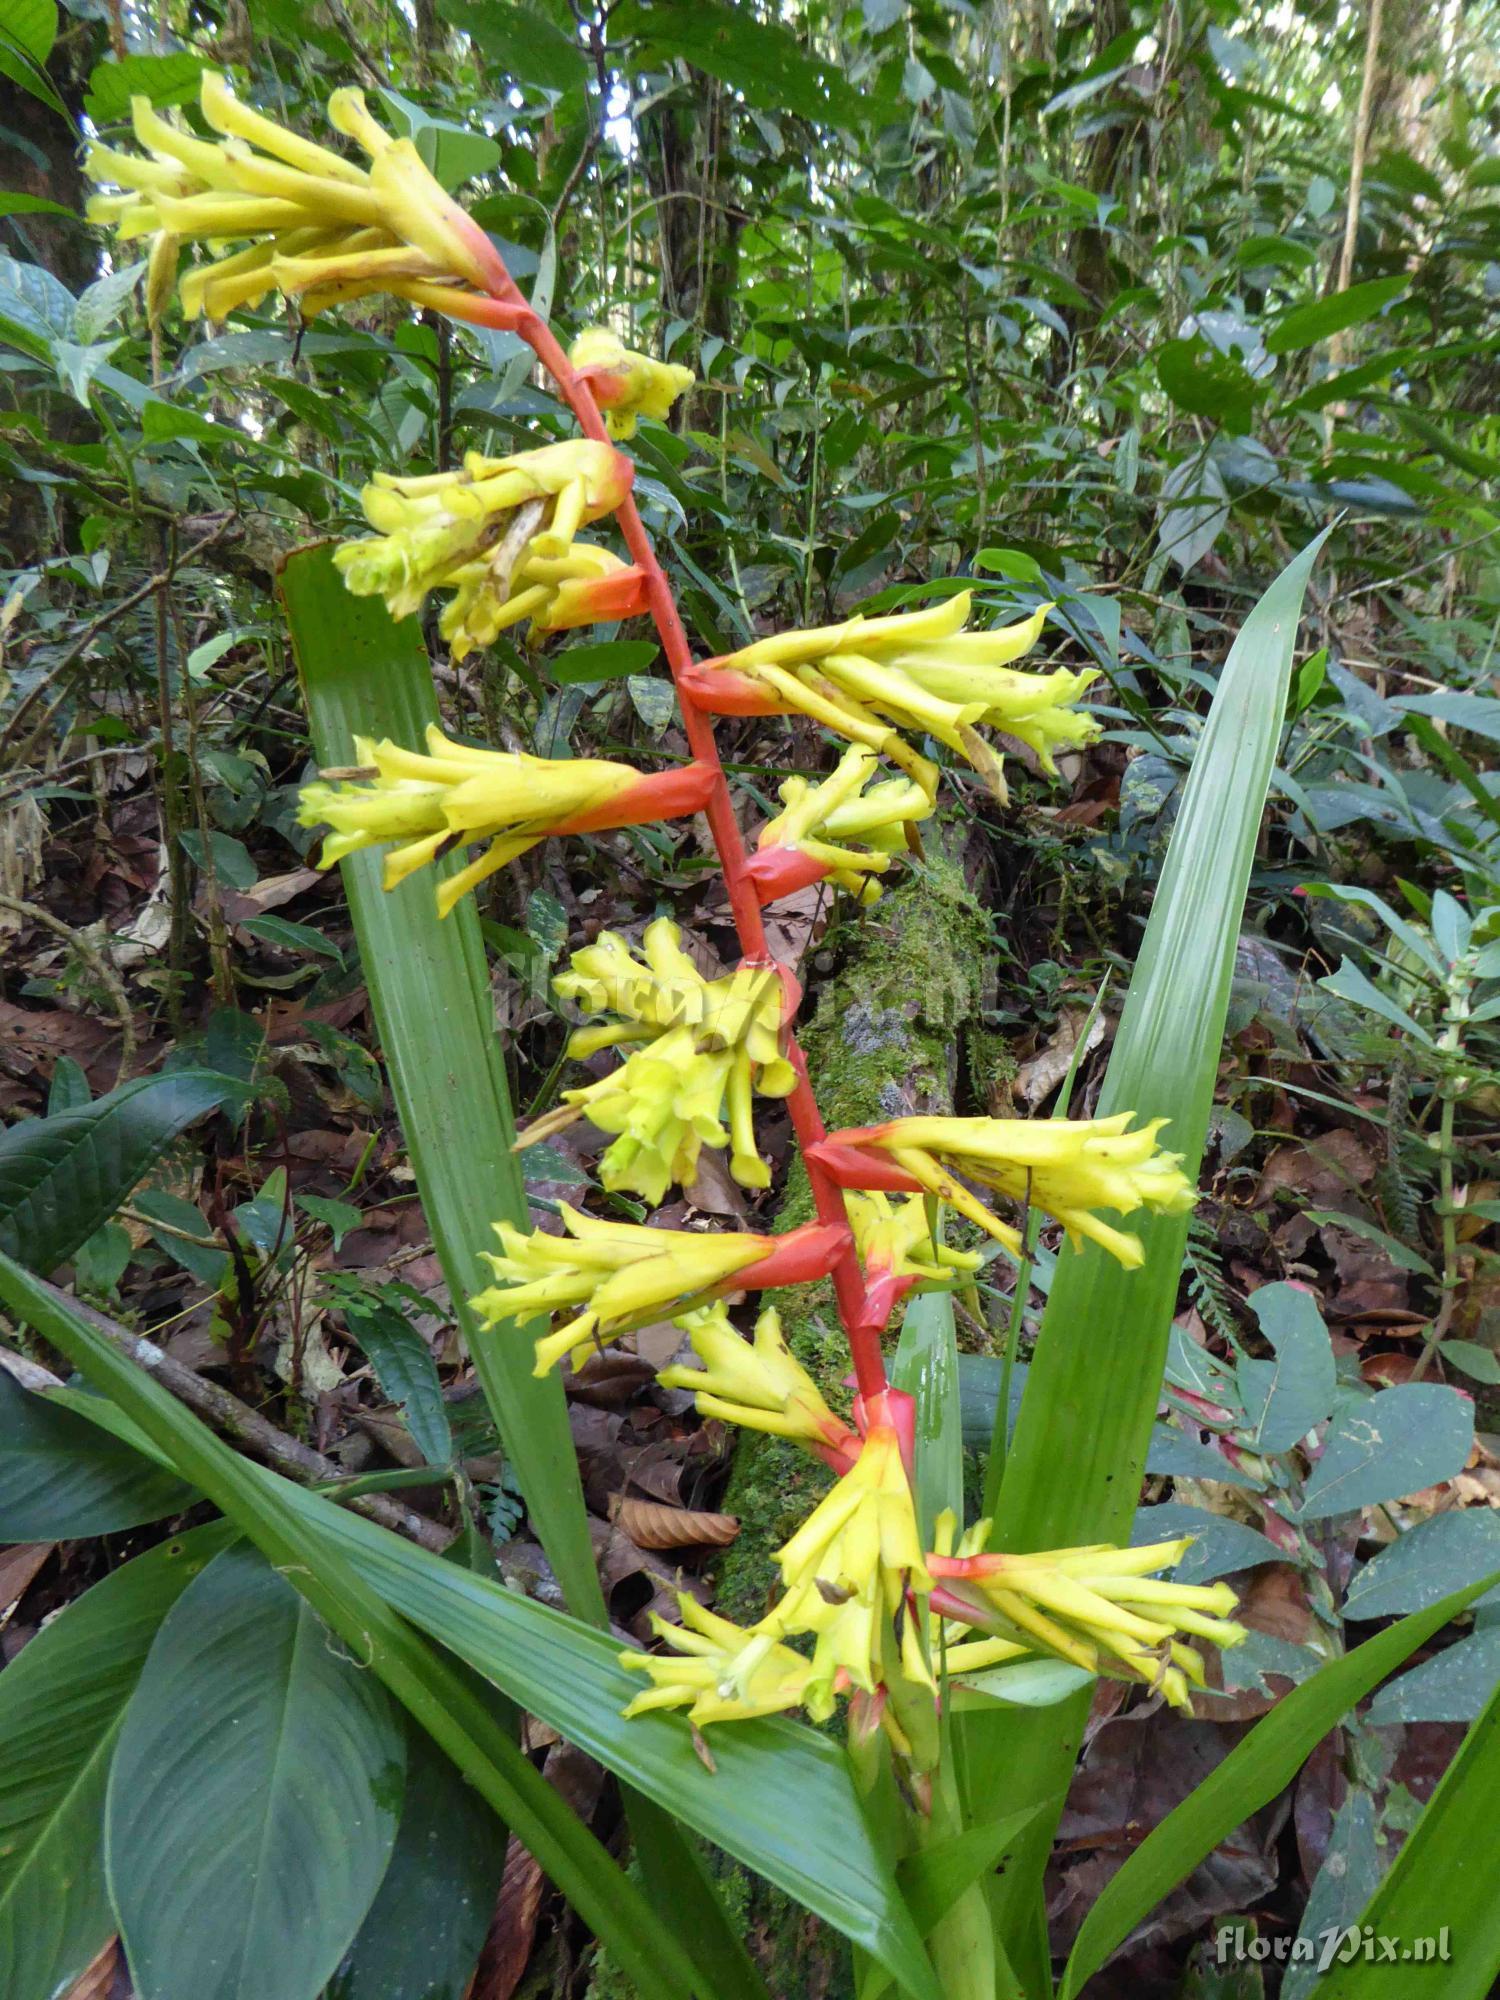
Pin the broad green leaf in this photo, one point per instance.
(1453, 1687)
(61, 1703)
(427, 1925)
(1258, 1767)
(254, 1794)
(926, 1367)
(1305, 325)
(1075, 1465)
(170, 79)
(406, 1371)
(61, 1177)
(1443, 1880)
(608, 660)
(28, 30)
(431, 997)
(1399, 1441)
(1349, 983)
(62, 1478)
(760, 58)
(1438, 1555)
(1220, 1543)
(560, 1669)
(1342, 1886)
(1285, 1398)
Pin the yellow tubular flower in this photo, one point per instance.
(847, 1571)
(709, 1047)
(478, 531)
(422, 806)
(317, 223)
(804, 843)
(623, 1276)
(717, 1671)
(870, 677)
(757, 1384)
(627, 386)
(1067, 1167)
(897, 1251)
(1098, 1607)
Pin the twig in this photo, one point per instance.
(1362, 122)
(237, 1420)
(91, 632)
(99, 963)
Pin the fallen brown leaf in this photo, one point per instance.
(651, 1525)
(98, 1978)
(17, 1568)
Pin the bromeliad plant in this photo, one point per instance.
(909, 1629)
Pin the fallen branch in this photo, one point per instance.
(225, 1411)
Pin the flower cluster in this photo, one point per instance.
(808, 841)
(870, 678)
(708, 1046)
(1069, 1168)
(846, 1574)
(1101, 1608)
(500, 535)
(604, 1279)
(627, 386)
(898, 1250)
(421, 807)
(759, 1384)
(316, 225)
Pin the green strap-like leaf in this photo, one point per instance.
(1074, 1471)
(1441, 1888)
(1252, 1774)
(434, 1692)
(363, 674)
(358, 1576)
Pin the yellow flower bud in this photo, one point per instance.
(627, 386)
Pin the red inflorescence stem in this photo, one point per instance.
(744, 899)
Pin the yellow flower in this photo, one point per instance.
(1099, 1607)
(847, 1571)
(454, 795)
(1067, 1167)
(757, 1384)
(871, 677)
(626, 385)
(718, 1671)
(500, 533)
(896, 1248)
(623, 1276)
(672, 1096)
(804, 843)
(316, 224)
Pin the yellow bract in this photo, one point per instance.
(317, 225)
(423, 805)
(819, 820)
(759, 1384)
(619, 1274)
(627, 386)
(500, 533)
